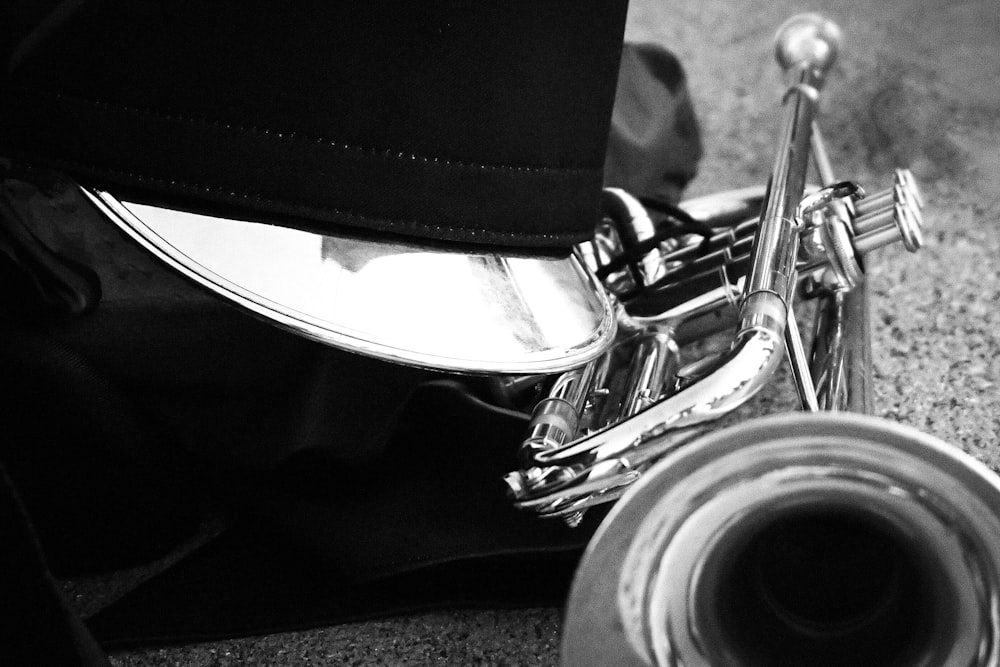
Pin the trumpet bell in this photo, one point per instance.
(796, 539)
(390, 299)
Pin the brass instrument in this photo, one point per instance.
(826, 538)
(821, 537)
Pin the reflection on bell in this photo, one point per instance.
(815, 539)
(468, 311)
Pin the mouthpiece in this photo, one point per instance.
(807, 39)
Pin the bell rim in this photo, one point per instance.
(552, 359)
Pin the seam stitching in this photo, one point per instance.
(200, 187)
(306, 138)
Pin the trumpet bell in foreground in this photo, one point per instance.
(796, 539)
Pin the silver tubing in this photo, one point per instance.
(841, 355)
(806, 48)
(821, 158)
(799, 365)
(740, 375)
(772, 278)
(858, 351)
(653, 369)
(600, 467)
(775, 248)
(562, 478)
(555, 419)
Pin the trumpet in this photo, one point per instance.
(821, 537)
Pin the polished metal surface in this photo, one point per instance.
(597, 468)
(806, 47)
(808, 39)
(890, 216)
(562, 480)
(798, 364)
(809, 538)
(467, 312)
(841, 356)
(658, 583)
(806, 244)
(565, 475)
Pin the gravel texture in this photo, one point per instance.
(916, 84)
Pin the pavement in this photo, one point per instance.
(916, 85)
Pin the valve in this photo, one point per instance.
(889, 216)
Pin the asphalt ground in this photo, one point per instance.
(916, 85)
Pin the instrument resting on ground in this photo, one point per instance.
(822, 537)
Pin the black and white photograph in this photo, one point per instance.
(630, 333)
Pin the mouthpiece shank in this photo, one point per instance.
(806, 46)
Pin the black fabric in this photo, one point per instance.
(240, 586)
(37, 273)
(655, 144)
(447, 120)
(128, 419)
(207, 399)
(89, 465)
(38, 627)
(352, 488)
(424, 525)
